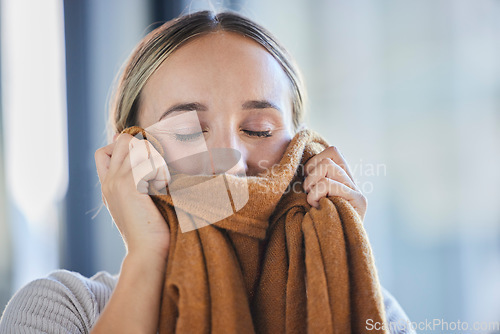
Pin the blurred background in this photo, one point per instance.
(408, 90)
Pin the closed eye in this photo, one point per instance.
(197, 135)
(260, 134)
(188, 137)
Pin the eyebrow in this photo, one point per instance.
(184, 107)
(260, 104)
(251, 104)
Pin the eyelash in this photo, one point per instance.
(193, 136)
(188, 137)
(260, 134)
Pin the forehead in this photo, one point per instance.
(219, 64)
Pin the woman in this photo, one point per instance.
(247, 95)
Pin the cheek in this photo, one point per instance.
(267, 154)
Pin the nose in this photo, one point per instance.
(227, 154)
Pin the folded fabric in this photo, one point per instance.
(275, 264)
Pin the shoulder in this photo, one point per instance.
(62, 302)
(396, 318)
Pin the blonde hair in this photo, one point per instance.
(155, 47)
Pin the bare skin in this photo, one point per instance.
(241, 97)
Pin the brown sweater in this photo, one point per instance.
(273, 264)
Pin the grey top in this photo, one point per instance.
(68, 302)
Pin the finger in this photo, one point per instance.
(327, 187)
(144, 158)
(152, 169)
(333, 153)
(329, 169)
(140, 150)
(102, 160)
(121, 150)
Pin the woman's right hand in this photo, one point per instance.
(125, 167)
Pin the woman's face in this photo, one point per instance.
(220, 90)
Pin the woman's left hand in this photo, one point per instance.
(327, 174)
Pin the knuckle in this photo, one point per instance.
(332, 149)
(323, 179)
(320, 168)
(123, 137)
(328, 163)
(321, 186)
(323, 161)
(99, 153)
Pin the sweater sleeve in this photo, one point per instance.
(396, 318)
(62, 302)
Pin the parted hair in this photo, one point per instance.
(156, 46)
